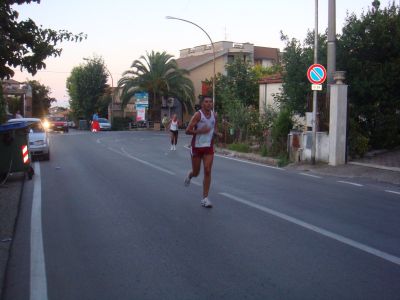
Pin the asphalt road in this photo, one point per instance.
(117, 223)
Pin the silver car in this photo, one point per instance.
(104, 124)
(38, 138)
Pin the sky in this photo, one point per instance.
(120, 31)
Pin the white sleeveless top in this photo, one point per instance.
(174, 125)
(204, 140)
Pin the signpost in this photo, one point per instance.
(316, 74)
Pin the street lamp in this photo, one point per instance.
(213, 49)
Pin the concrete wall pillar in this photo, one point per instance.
(337, 124)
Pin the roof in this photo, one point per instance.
(276, 78)
(192, 62)
(10, 81)
(266, 53)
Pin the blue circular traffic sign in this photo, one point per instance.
(316, 74)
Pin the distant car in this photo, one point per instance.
(58, 123)
(71, 124)
(104, 124)
(38, 138)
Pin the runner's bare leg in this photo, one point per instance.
(207, 162)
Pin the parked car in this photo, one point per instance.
(104, 124)
(39, 145)
(58, 123)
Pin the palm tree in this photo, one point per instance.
(159, 75)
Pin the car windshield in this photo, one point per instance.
(57, 119)
(36, 127)
(103, 120)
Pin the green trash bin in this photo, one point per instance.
(14, 149)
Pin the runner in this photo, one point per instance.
(203, 127)
(173, 128)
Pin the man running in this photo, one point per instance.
(203, 127)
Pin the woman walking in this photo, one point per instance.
(173, 128)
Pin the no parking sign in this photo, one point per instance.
(316, 74)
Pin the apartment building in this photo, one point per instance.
(199, 60)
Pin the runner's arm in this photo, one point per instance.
(192, 124)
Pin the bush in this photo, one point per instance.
(120, 123)
(358, 142)
(280, 129)
(239, 148)
(264, 151)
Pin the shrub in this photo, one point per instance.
(239, 148)
(358, 142)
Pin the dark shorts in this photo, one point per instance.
(200, 152)
(174, 132)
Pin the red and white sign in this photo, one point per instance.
(316, 74)
(25, 154)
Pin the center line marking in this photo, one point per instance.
(337, 237)
(124, 153)
(309, 175)
(393, 192)
(351, 183)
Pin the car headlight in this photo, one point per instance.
(46, 124)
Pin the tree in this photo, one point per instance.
(159, 75)
(297, 58)
(41, 100)
(25, 45)
(369, 51)
(239, 84)
(86, 87)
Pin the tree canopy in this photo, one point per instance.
(26, 45)
(41, 100)
(86, 87)
(369, 51)
(158, 74)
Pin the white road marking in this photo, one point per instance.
(196, 183)
(393, 192)
(38, 286)
(337, 237)
(309, 175)
(351, 183)
(124, 153)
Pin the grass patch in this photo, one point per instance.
(283, 160)
(239, 148)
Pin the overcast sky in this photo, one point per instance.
(120, 31)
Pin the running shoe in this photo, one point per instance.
(206, 203)
(187, 179)
(172, 147)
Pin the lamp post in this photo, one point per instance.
(213, 49)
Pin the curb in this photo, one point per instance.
(394, 169)
(249, 156)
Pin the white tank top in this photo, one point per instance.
(204, 140)
(174, 125)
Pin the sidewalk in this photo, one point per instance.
(10, 194)
(380, 166)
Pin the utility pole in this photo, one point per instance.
(314, 115)
(331, 63)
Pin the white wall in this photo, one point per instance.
(266, 94)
